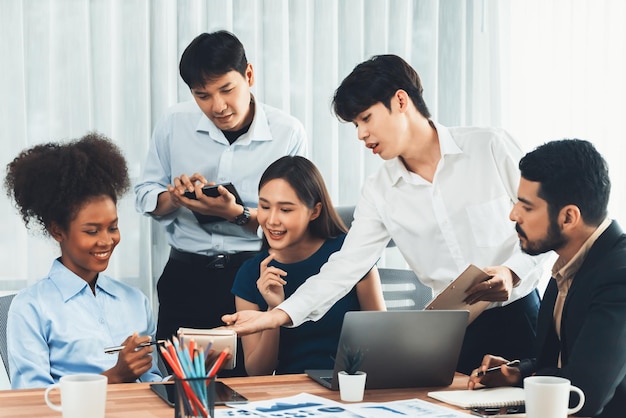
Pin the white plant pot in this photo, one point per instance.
(351, 386)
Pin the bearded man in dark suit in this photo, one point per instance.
(581, 329)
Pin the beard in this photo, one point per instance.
(553, 240)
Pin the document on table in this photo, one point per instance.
(309, 405)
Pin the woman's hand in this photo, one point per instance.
(132, 361)
(271, 283)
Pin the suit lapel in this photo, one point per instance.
(601, 246)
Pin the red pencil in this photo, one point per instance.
(192, 346)
(218, 363)
(175, 367)
(174, 356)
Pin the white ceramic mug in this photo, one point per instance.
(548, 397)
(82, 395)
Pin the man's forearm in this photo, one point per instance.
(251, 321)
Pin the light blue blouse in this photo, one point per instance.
(58, 326)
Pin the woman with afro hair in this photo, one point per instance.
(61, 324)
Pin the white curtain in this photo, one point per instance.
(566, 79)
(71, 66)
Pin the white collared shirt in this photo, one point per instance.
(461, 218)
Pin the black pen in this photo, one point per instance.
(117, 348)
(496, 368)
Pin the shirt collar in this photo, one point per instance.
(259, 129)
(447, 146)
(69, 284)
(564, 272)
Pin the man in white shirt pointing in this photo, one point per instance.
(444, 196)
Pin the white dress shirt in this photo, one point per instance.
(185, 141)
(461, 218)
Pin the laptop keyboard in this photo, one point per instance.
(327, 379)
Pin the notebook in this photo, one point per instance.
(212, 339)
(481, 398)
(402, 348)
(453, 296)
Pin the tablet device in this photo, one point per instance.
(453, 296)
(224, 394)
(212, 191)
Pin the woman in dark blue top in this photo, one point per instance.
(301, 230)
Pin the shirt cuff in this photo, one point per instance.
(298, 317)
(151, 201)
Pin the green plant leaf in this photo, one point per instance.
(352, 359)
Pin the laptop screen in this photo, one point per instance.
(403, 348)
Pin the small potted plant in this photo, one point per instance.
(351, 378)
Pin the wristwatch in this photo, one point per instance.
(244, 218)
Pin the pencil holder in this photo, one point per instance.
(195, 397)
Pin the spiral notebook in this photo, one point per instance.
(481, 398)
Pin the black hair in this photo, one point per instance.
(308, 183)
(570, 172)
(51, 182)
(377, 80)
(211, 55)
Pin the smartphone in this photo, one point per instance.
(211, 191)
(223, 393)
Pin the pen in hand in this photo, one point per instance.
(118, 348)
(497, 368)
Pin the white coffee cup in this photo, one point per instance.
(82, 395)
(548, 397)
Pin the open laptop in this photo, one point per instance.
(404, 348)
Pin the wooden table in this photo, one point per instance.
(137, 399)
